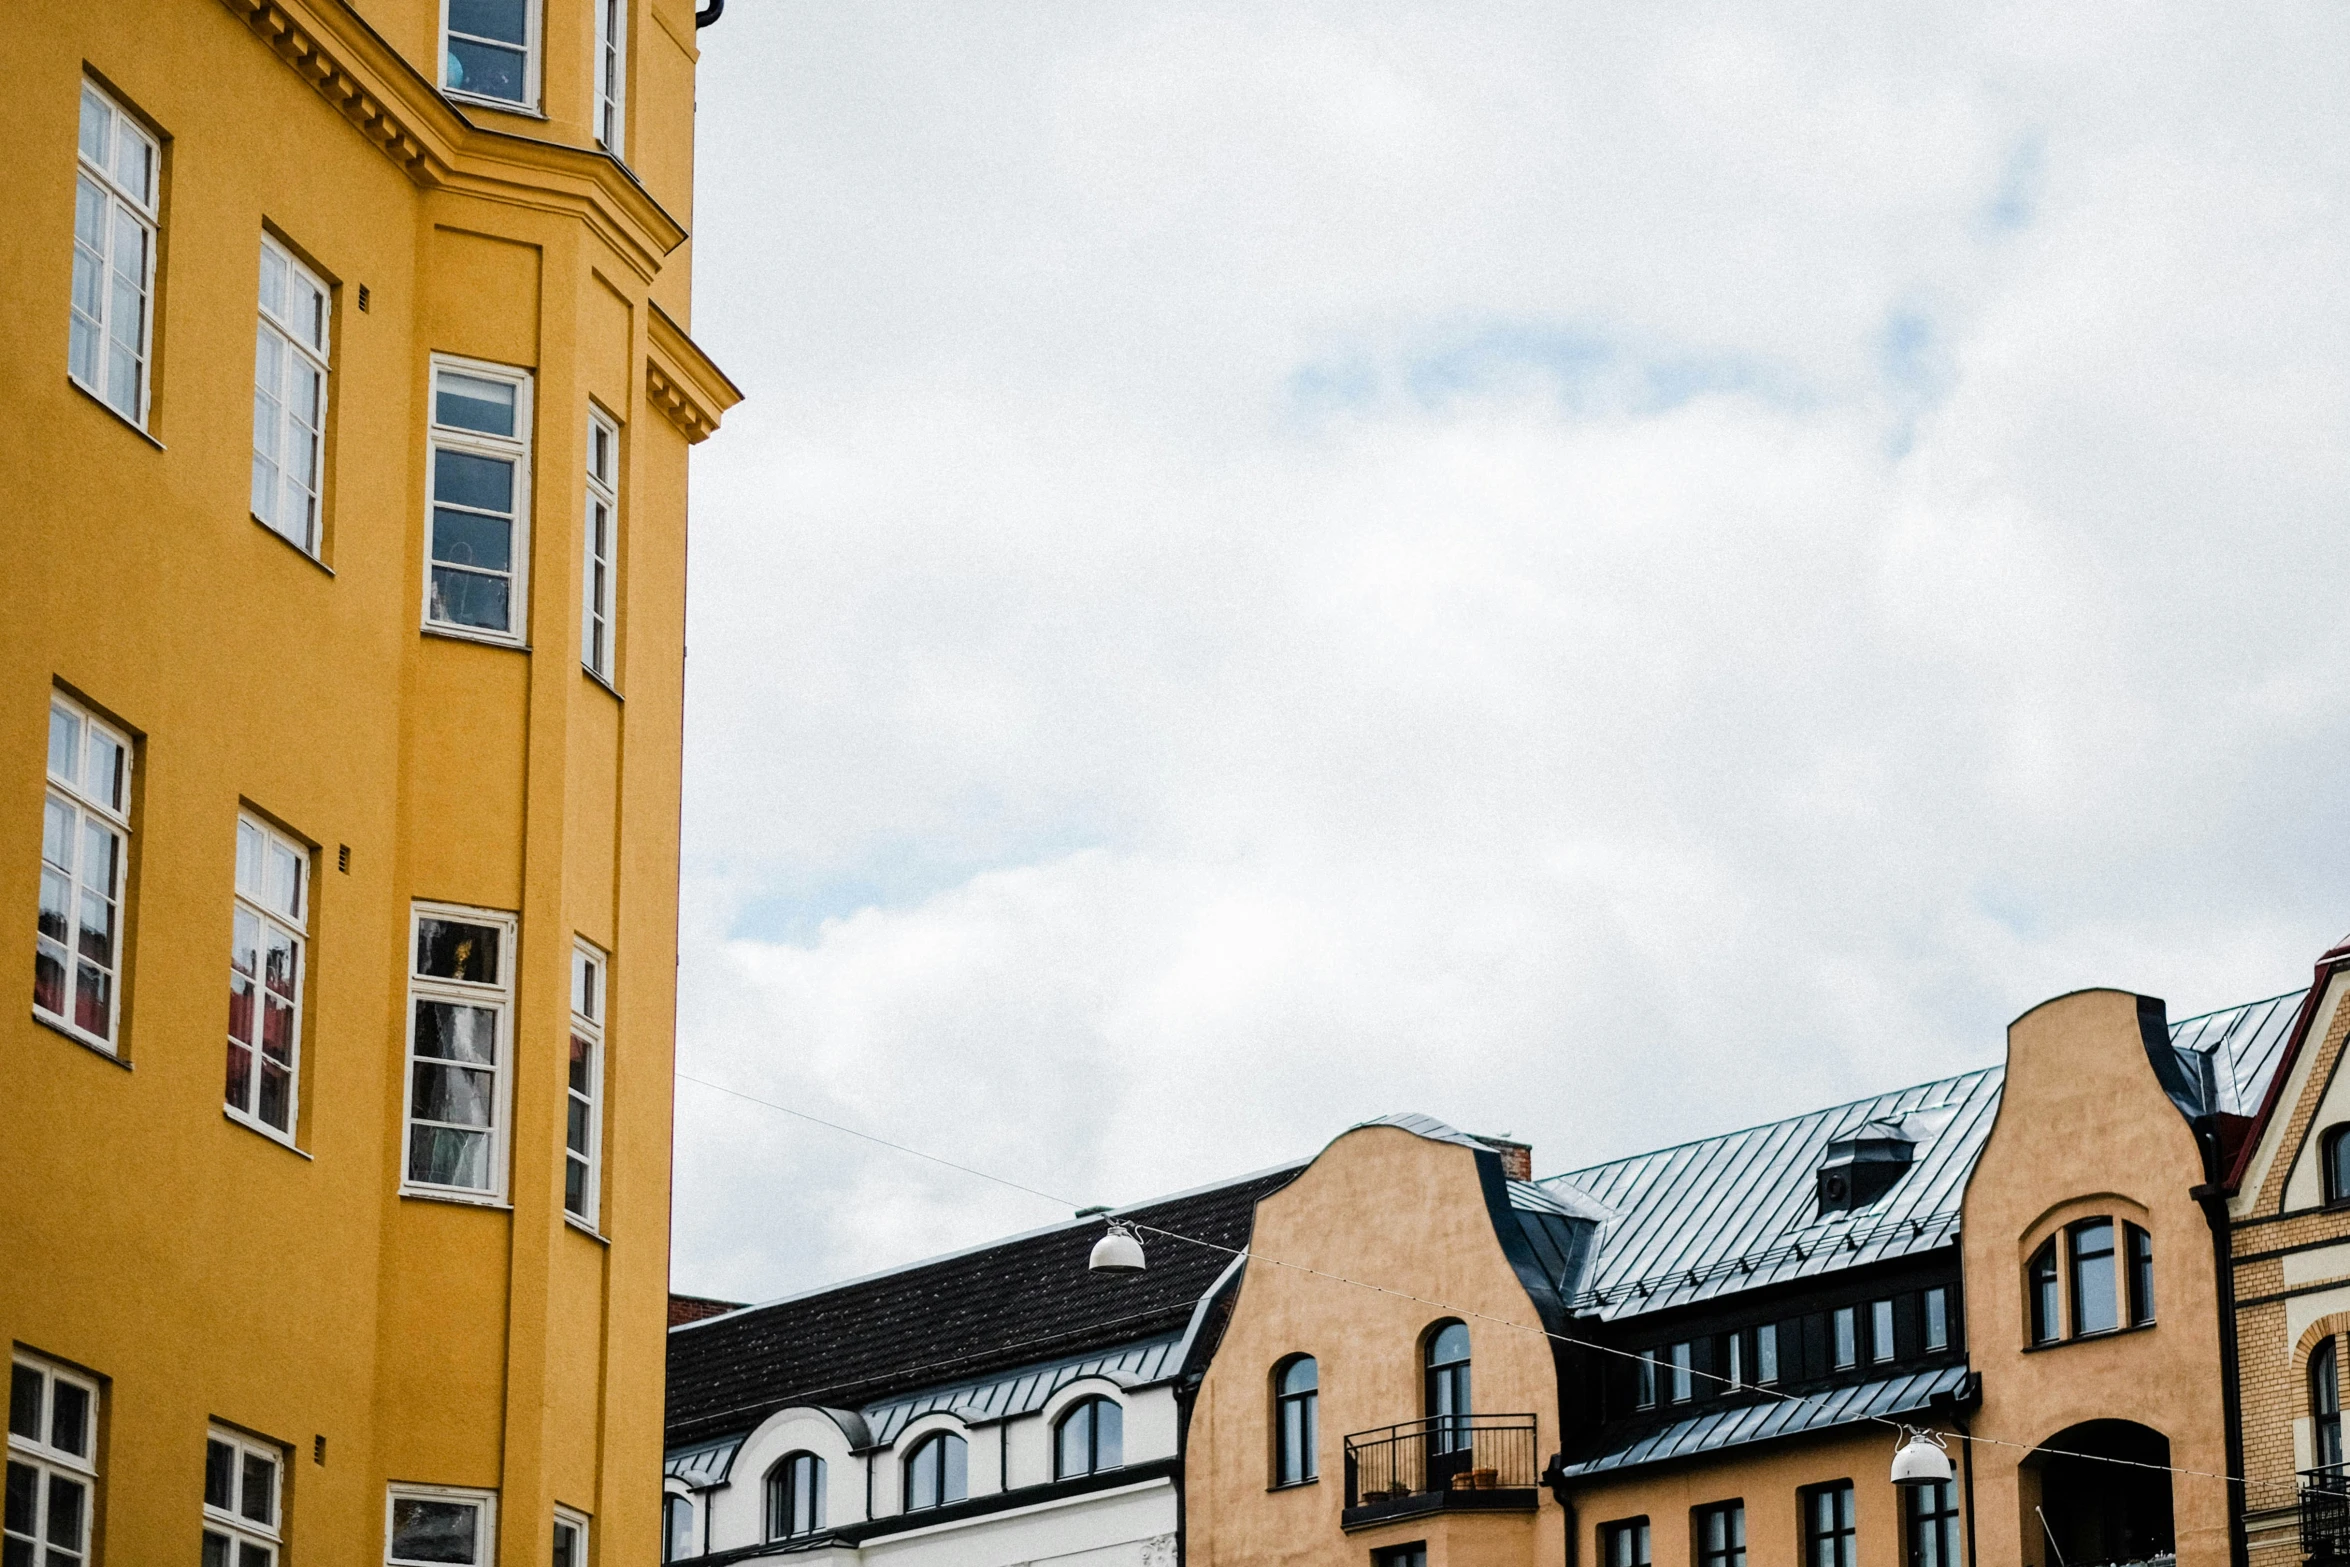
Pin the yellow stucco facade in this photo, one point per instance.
(396, 1239)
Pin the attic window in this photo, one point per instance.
(1863, 1166)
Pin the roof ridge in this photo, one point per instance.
(1783, 1120)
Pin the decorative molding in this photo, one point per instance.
(682, 381)
(405, 116)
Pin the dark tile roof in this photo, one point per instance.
(1735, 1212)
(1012, 1303)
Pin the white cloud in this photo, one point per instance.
(1597, 574)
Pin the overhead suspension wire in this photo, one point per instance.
(1734, 1385)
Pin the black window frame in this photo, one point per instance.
(1838, 1530)
(1448, 1386)
(2077, 1262)
(2333, 1163)
(672, 1507)
(935, 1442)
(1844, 1338)
(794, 1479)
(1931, 1512)
(1766, 1362)
(1412, 1553)
(1639, 1552)
(2044, 1295)
(1928, 1300)
(2325, 1389)
(1884, 1344)
(1733, 1552)
(1089, 1409)
(1681, 1363)
(2137, 1269)
(1304, 1444)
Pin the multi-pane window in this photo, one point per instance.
(241, 1501)
(571, 1539)
(795, 1496)
(1089, 1439)
(491, 50)
(432, 1526)
(266, 938)
(2141, 1261)
(1766, 1354)
(1937, 1318)
(1734, 1361)
(460, 1000)
(611, 72)
(1624, 1544)
(1881, 1330)
(52, 1466)
(583, 1092)
(599, 577)
(1721, 1535)
(1296, 1417)
(938, 1471)
(1413, 1555)
(114, 221)
(1684, 1384)
(1933, 1524)
(2040, 1292)
(2325, 1406)
(85, 856)
(479, 527)
(1844, 1329)
(2096, 1299)
(1644, 1390)
(677, 1528)
(1828, 1526)
(289, 397)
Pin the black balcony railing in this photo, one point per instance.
(2325, 1514)
(1482, 1462)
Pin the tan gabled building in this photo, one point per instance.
(2289, 1205)
(346, 413)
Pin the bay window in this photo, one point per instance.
(267, 933)
(85, 859)
(440, 1526)
(289, 398)
(115, 218)
(583, 1092)
(460, 1034)
(478, 529)
(599, 577)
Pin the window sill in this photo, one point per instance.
(610, 689)
(117, 414)
(580, 1227)
(477, 638)
(290, 544)
(2097, 1337)
(1294, 1485)
(262, 1132)
(98, 1050)
(456, 1199)
(521, 111)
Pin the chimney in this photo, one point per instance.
(1517, 1159)
(693, 1308)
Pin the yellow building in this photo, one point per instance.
(348, 404)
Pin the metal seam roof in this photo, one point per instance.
(1762, 1422)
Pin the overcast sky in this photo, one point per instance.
(1603, 572)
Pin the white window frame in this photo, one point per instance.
(70, 795)
(251, 904)
(485, 1534)
(611, 76)
(591, 1002)
(305, 532)
(515, 449)
(577, 1522)
(233, 1523)
(51, 1463)
(599, 566)
(500, 998)
(533, 33)
(98, 179)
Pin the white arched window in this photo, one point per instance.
(795, 1496)
(937, 1471)
(1090, 1438)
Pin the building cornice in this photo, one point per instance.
(682, 381)
(351, 66)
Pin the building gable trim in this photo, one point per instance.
(2262, 1145)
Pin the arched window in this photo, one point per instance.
(2096, 1292)
(2334, 1156)
(1448, 1388)
(795, 1496)
(1297, 1397)
(1090, 1438)
(2325, 1406)
(937, 1472)
(677, 1528)
(2040, 1290)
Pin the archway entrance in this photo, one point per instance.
(2097, 1512)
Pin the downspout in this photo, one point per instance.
(1966, 1458)
(703, 19)
(2212, 1198)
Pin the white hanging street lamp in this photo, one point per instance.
(1921, 1460)
(1120, 1251)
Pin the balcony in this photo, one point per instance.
(1475, 1463)
(2325, 1514)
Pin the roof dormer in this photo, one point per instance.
(1863, 1165)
